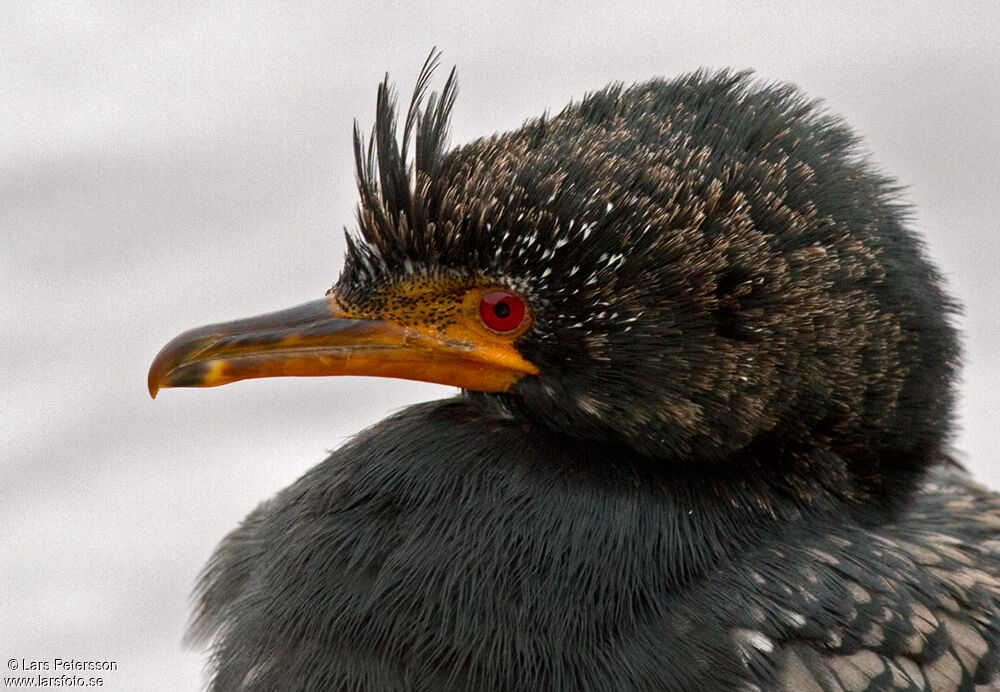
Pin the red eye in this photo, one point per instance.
(501, 311)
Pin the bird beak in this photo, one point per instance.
(320, 338)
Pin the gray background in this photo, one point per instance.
(160, 169)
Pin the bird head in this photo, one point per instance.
(685, 267)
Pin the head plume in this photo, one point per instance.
(392, 212)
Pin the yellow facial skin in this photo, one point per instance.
(432, 333)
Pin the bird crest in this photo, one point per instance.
(392, 188)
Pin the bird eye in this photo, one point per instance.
(501, 311)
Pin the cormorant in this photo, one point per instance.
(707, 374)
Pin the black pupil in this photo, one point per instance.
(502, 310)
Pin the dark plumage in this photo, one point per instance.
(728, 472)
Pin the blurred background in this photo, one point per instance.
(167, 165)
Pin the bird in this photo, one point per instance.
(702, 441)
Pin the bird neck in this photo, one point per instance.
(716, 511)
(693, 515)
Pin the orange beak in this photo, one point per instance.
(320, 338)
